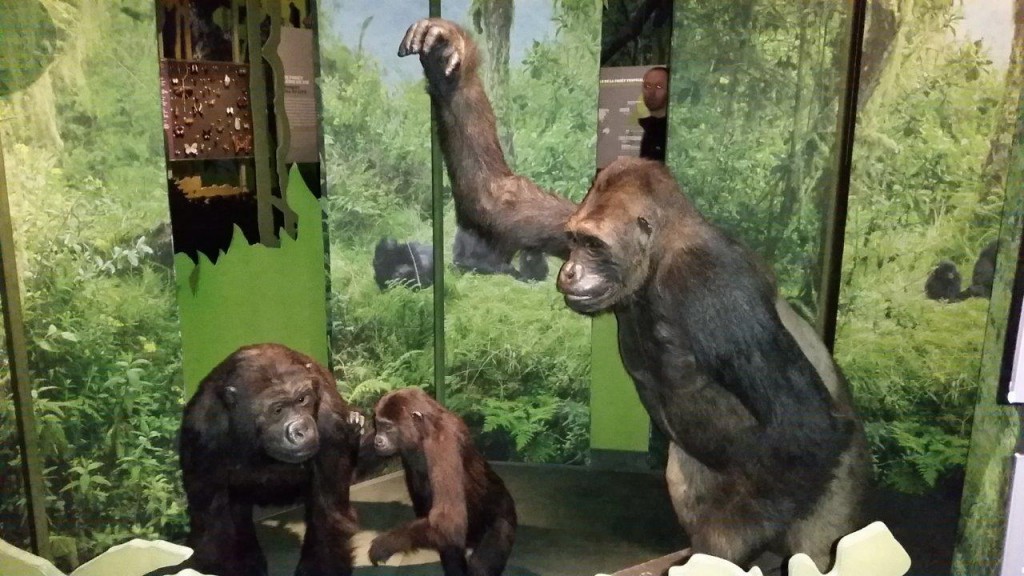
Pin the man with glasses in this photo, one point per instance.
(655, 126)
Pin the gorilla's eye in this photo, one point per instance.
(644, 225)
(277, 409)
(592, 243)
(303, 400)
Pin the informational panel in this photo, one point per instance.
(297, 58)
(619, 95)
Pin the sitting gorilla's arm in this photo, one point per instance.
(501, 206)
(330, 518)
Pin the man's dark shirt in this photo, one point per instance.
(652, 145)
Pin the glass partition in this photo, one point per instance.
(755, 95)
(518, 360)
(14, 522)
(927, 190)
(83, 155)
(376, 124)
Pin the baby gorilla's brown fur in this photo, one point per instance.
(459, 501)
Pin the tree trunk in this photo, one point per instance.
(493, 18)
(993, 182)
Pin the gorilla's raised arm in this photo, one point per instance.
(507, 209)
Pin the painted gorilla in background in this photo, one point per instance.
(943, 282)
(767, 452)
(408, 264)
(268, 427)
(471, 253)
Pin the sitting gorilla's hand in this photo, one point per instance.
(441, 45)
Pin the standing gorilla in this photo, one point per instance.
(767, 452)
(268, 427)
(471, 253)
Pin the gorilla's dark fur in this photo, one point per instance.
(943, 282)
(268, 427)
(409, 264)
(767, 452)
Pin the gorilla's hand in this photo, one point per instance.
(357, 421)
(442, 46)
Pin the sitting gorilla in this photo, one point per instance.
(408, 264)
(533, 266)
(943, 282)
(984, 272)
(473, 253)
(268, 427)
(767, 451)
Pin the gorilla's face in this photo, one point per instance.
(610, 239)
(285, 414)
(398, 420)
(386, 440)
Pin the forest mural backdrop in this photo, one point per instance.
(754, 100)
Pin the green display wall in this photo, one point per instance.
(254, 293)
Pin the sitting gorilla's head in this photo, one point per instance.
(273, 397)
(619, 230)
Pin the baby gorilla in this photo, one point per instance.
(459, 501)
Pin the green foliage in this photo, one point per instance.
(517, 359)
(99, 313)
(101, 319)
(755, 94)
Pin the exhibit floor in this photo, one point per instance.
(576, 521)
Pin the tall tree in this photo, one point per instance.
(493, 19)
(997, 160)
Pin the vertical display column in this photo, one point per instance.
(241, 132)
(633, 107)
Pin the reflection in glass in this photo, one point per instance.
(755, 94)
(996, 206)
(14, 523)
(518, 359)
(376, 123)
(83, 153)
(922, 208)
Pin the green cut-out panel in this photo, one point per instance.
(618, 420)
(256, 294)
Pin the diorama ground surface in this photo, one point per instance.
(576, 521)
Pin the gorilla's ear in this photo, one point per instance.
(419, 420)
(229, 396)
(645, 226)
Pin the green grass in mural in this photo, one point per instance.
(256, 294)
(517, 358)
